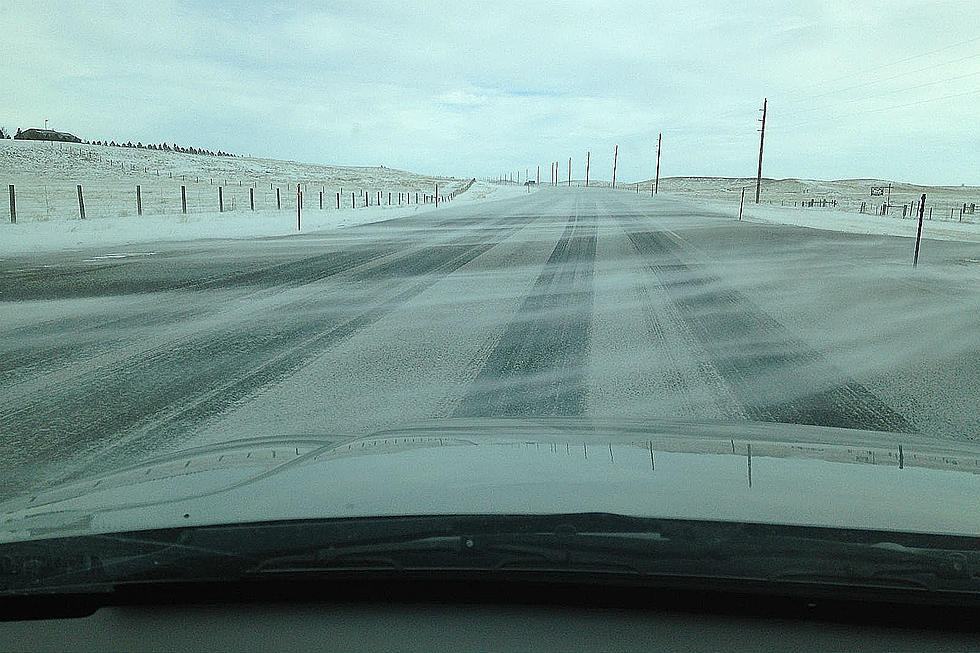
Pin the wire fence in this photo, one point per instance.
(190, 194)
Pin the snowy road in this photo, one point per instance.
(565, 302)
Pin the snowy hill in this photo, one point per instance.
(45, 176)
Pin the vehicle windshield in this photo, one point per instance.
(358, 261)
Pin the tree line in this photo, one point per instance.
(165, 147)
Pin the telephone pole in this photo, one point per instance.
(615, 161)
(762, 140)
(656, 184)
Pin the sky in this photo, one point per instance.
(855, 89)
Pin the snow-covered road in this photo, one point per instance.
(564, 302)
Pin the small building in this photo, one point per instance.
(46, 135)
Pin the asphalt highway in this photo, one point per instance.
(568, 302)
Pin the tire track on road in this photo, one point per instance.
(537, 367)
(754, 352)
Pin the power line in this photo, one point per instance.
(895, 76)
(891, 91)
(867, 71)
(879, 109)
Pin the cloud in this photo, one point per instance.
(471, 88)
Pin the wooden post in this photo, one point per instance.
(762, 140)
(278, 200)
(569, 172)
(13, 204)
(81, 202)
(437, 196)
(656, 183)
(389, 198)
(139, 200)
(918, 234)
(539, 176)
(615, 161)
(588, 161)
(352, 203)
(741, 203)
(338, 200)
(321, 200)
(299, 207)
(221, 200)
(183, 199)
(251, 198)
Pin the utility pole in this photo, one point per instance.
(656, 184)
(762, 140)
(615, 161)
(588, 160)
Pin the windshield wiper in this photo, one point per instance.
(638, 549)
(781, 559)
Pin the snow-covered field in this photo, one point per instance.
(45, 176)
(782, 201)
(836, 220)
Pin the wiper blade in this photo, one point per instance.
(648, 554)
(644, 549)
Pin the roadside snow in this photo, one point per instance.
(45, 176)
(55, 235)
(833, 220)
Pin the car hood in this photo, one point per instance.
(747, 472)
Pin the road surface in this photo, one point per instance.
(564, 302)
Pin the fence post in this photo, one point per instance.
(389, 199)
(918, 234)
(183, 199)
(352, 205)
(437, 195)
(81, 202)
(221, 201)
(741, 203)
(299, 207)
(338, 200)
(139, 200)
(321, 200)
(13, 204)
(278, 201)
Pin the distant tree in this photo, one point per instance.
(3, 134)
(113, 144)
(18, 133)
(139, 144)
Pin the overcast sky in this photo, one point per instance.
(856, 89)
